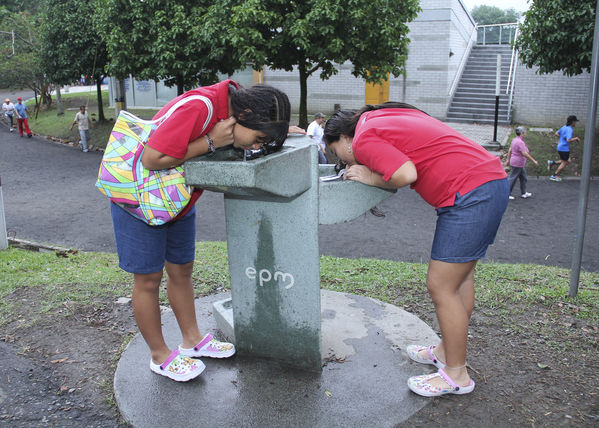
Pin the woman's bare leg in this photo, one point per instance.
(179, 288)
(146, 309)
(451, 286)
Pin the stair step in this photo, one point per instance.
(480, 105)
(477, 120)
(483, 84)
(476, 117)
(476, 100)
(487, 112)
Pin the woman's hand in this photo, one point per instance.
(222, 132)
(296, 130)
(406, 174)
(360, 173)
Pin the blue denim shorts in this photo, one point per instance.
(467, 228)
(143, 249)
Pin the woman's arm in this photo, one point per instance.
(221, 134)
(530, 158)
(405, 175)
(508, 157)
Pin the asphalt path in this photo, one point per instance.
(50, 198)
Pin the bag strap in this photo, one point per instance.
(172, 109)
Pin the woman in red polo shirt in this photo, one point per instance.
(393, 145)
(247, 118)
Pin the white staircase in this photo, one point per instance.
(474, 98)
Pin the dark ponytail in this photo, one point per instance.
(263, 108)
(345, 121)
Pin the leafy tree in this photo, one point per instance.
(16, 6)
(314, 35)
(557, 35)
(19, 66)
(488, 15)
(70, 46)
(188, 43)
(171, 40)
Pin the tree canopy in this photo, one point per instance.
(314, 35)
(488, 15)
(70, 46)
(19, 64)
(180, 42)
(557, 35)
(189, 42)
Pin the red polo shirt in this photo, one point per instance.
(185, 124)
(446, 161)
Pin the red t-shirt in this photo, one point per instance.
(446, 161)
(185, 124)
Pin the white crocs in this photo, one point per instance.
(421, 385)
(178, 367)
(413, 352)
(209, 347)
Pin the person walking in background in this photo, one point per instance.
(565, 134)
(9, 111)
(315, 132)
(21, 111)
(84, 123)
(516, 156)
(393, 145)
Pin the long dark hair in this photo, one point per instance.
(345, 121)
(263, 108)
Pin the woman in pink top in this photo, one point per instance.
(517, 155)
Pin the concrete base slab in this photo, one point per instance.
(362, 383)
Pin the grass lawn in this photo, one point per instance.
(50, 124)
(84, 276)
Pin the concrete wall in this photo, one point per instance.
(441, 27)
(548, 99)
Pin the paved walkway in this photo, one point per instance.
(482, 134)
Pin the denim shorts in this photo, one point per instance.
(143, 249)
(467, 228)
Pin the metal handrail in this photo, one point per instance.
(463, 61)
(501, 27)
(511, 77)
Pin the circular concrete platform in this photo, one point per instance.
(362, 383)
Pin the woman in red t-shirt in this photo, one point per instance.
(393, 145)
(247, 118)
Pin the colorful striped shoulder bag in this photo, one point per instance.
(153, 196)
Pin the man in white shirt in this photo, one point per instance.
(316, 132)
(83, 122)
(9, 112)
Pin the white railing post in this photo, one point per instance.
(509, 88)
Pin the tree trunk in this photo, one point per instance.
(180, 85)
(59, 101)
(101, 117)
(303, 111)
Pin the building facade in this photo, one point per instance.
(440, 41)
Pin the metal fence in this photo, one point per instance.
(496, 34)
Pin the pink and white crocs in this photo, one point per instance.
(209, 347)
(421, 385)
(178, 367)
(413, 352)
